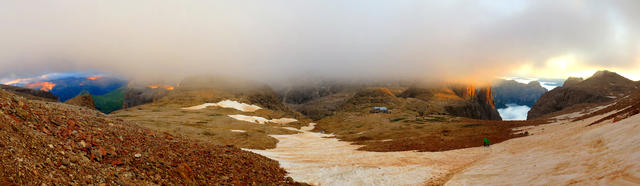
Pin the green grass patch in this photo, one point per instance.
(110, 101)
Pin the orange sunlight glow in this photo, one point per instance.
(570, 65)
(166, 87)
(16, 81)
(45, 85)
(94, 77)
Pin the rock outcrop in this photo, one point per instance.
(458, 100)
(603, 86)
(478, 103)
(512, 92)
(83, 100)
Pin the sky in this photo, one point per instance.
(275, 40)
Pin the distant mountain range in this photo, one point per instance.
(512, 92)
(64, 86)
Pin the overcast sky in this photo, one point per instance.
(278, 39)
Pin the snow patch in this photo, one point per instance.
(240, 131)
(563, 153)
(261, 120)
(227, 104)
(319, 159)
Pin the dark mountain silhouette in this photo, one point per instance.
(512, 92)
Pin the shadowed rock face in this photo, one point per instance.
(478, 104)
(603, 86)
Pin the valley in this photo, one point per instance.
(430, 135)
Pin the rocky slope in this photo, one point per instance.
(512, 92)
(83, 100)
(53, 143)
(602, 87)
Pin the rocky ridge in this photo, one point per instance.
(602, 87)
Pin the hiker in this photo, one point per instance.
(486, 142)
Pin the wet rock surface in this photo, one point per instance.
(53, 143)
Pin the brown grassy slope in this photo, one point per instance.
(213, 124)
(55, 143)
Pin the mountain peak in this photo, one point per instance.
(605, 73)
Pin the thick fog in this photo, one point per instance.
(276, 40)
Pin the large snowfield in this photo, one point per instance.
(559, 153)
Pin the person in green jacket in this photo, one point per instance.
(486, 142)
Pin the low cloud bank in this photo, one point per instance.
(514, 112)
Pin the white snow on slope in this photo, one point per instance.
(261, 120)
(227, 104)
(239, 131)
(563, 153)
(313, 158)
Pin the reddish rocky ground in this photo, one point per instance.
(54, 143)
